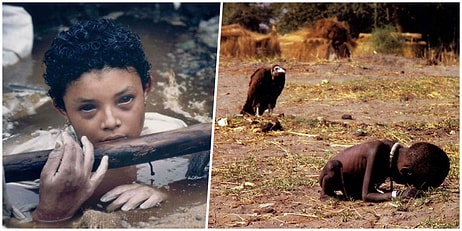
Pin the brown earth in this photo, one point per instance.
(269, 179)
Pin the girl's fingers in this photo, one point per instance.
(72, 159)
(117, 191)
(132, 204)
(88, 154)
(154, 200)
(98, 176)
(128, 197)
(53, 162)
(127, 200)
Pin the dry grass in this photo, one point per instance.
(256, 176)
(311, 44)
(277, 163)
(370, 88)
(238, 42)
(333, 133)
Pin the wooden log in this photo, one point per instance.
(188, 140)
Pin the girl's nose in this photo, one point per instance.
(110, 120)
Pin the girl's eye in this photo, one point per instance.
(126, 99)
(87, 107)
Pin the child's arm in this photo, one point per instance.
(375, 196)
(368, 178)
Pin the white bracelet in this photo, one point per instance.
(393, 194)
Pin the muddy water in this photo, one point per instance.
(184, 82)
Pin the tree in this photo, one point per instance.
(248, 15)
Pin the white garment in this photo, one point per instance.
(155, 122)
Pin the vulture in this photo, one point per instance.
(265, 86)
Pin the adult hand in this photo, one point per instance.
(130, 196)
(66, 180)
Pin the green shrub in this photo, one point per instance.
(386, 41)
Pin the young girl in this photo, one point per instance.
(99, 80)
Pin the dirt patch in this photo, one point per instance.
(269, 179)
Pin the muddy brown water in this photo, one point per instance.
(184, 75)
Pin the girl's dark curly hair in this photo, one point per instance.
(91, 45)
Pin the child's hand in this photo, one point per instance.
(67, 181)
(130, 196)
(411, 192)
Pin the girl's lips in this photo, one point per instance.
(111, 138)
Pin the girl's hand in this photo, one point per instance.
(130, 196)
(67, 181)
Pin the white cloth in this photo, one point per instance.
(155, 122)
(18, 34)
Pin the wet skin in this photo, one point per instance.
(106, 104)
(101, 105)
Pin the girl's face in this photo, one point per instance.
(106, 104)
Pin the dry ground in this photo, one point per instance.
(269, 179)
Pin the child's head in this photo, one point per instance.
(91, 45)
(428, 165)
(99, 79)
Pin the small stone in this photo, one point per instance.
(347, 117)
(360, 133)
(223, 122)
(125, 224)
